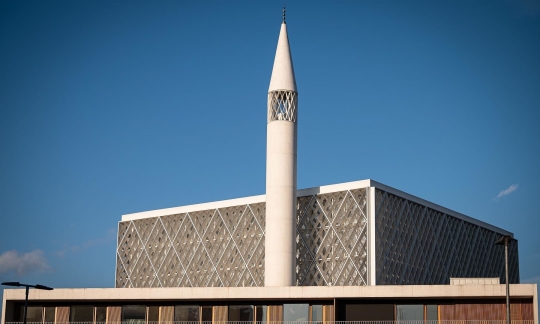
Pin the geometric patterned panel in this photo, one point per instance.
(282, 105)
(209, 248)
(331, 239)
(224, 247)
(417, 245)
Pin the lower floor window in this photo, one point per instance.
(242, 313)
(186, 313)
(295, 312)
(134, 314)
(416, 312)
(81, 314)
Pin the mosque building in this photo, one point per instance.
(355, 251)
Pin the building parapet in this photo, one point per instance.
(269, 293)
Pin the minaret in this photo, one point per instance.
(281, 168)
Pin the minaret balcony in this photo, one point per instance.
(282, 105)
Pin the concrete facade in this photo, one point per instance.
(481, 293)
(267, 293)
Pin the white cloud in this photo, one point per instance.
(507, 191)
(21, 264)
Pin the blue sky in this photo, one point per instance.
(109, 108)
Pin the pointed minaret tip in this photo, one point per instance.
(284, 12)
(283, 71)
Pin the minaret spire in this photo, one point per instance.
(284, 12)
(283, 71)
(280, 236)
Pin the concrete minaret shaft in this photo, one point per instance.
(280, 247)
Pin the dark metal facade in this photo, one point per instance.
(417, 245)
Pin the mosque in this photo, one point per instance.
(355, 251)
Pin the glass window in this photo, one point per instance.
(296, 312)
(81, 314)
(261, 312)
(432, 312)
(241, 313)
(316, 313)
(369, 312)
(186, 313)
(33, 314)
(153, 313)
(206, 314)
(134, 314)
(410, 312)
(49, 314)
(101, 314)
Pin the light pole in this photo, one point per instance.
(18, 284)
(504, 240)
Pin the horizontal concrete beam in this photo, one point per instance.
(266, 293)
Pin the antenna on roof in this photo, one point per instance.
(284, 9)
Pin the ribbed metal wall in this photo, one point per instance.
(417, 245)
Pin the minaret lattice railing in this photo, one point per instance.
(283, 105)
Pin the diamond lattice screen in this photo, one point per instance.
(331, 240)
(416, 245)
(225, 246)
(221, 247)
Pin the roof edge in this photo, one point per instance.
(440, 208)
(313, 191)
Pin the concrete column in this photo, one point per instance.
(280, 204)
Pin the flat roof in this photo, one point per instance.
(312, 191)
